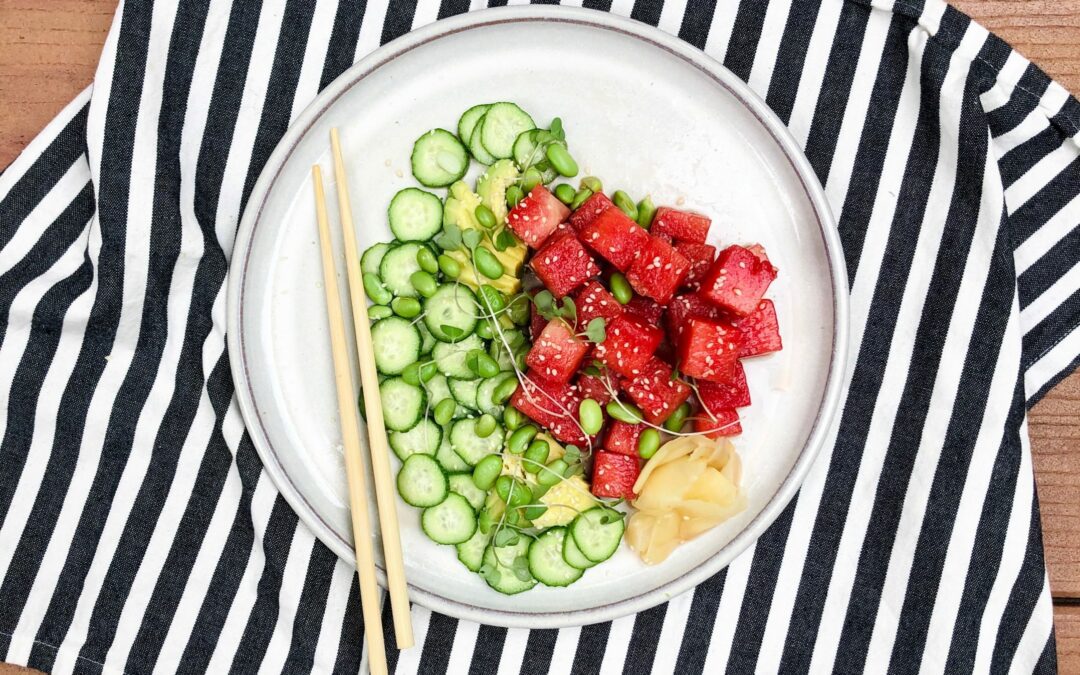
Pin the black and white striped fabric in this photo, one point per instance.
(138, 531)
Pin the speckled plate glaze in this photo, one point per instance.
(644, 111)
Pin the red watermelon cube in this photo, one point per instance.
(557, 353)
(719, 423)
(628, 345)
(593, 300)
(552, 405)
(614, 237)
(536, 322)
(722, 395)
(737, 280)
(681, 225)
(759, 251)
(701, 258)
(685, 307)
(708, 350)
(597, 388)
(658, 271)
(589, 210)
(537, 216)
(614, 475)
(563, 265)
(656, 391)
(645, 309)
(622, 438)
(761, 331)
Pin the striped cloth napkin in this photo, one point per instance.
(138, 531)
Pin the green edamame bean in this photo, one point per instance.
(487, 471)
(484, 329)
(512, 418)
(624, 412)
(408, 308)
(580, 197)
(411, 374)
(521, 438)
(591, 416)
(491, 299)
(424, 283)
(534, 512)
(503, 392)
(518, 310)
(593, 183)
(512, 491)
(561, 160)
(552, 473)
(513, 517)
(487, 263)
(485, 216)
(379, 312)
(485, 521)
(485, 425)
(565, 193)
(531, 179)
(625, 204)
(645, 212)
(514, 195)
(428, 370)
(374, 289)
(449, 266)
(519, 359)
(486, 366)
(648, 443)
(678, 418)
(621, 289)
(503, 486)
(472, 360)
(536, 456)
(426, 260)
(444, 411)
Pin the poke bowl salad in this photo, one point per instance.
(560, 363)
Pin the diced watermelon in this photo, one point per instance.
(594, 388)
(589, 210)
(557, 353)
(708, 350)
(726, 423)
(737, 280)
(685, 307)
(537, 216)
(658, 271)
(759, 251)
(681, 225)
(628, 345)
(552, 405)
(761, 331)
(734, 393)
(563, 265)
(614, 237)
(701, 258)
(593, 300)
(536, 322)
(655, 391)
(645, 309)
(614, 475)
(622, 438)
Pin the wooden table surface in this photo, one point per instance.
(49, 49)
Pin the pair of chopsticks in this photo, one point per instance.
(354, 462)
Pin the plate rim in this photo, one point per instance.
(654, 37)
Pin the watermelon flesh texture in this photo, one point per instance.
(659, 271)
(761, 331)
(701, 258)
(645, 309)
(686, 307)
(557, 353)
(655, 392)
(537, 216)
(721, 423)
(722, 395)
(614, 237)
(613, 476)
(622, 438)
(709, 350)
(681, 225)
(551, 405)
(593, 301)
(563, 265)
(628, 345)
(737, 281)
(589, 210)
(594, 388)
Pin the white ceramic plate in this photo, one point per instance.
(645, 112)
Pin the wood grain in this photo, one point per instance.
(49, 50)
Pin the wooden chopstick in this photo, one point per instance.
(350, 432)
(385, 491)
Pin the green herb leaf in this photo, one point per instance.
(450, 238)
(592, 371)
(572, 454)
(506, 537)
(453, 332)
(596, 330)
(557, 129)
(471, 238)
(505, 240)
(569, 310)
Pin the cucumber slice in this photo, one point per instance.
(396, 344)
(421, 482)
(437, 390)
(464, 391)
(427, 340)
(501, 560)
(573, 555)
(397, 266)
(450, 357)
(415, 215)
(462, 483)
(503, 123)
(403, 404)
(450, 314)
(439, 158)
(471, 553)
(369, 262)
(476, 147)
(469, 446)
(546, 561)
(447, 458)
(468, 121)
(598, 540)
(422, 439)
(486, 390)
(453, 521)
